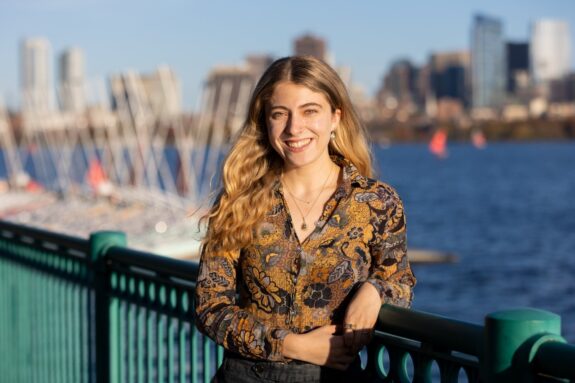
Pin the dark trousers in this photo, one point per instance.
(236, 369)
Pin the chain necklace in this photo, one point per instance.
(304, 224)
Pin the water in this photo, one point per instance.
(507, 212)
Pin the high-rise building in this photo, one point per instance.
(550, 50)
(226, 96)
(164, 92)
(517, 66)
(71, 81)
(563, 89)
(449, 75)
(400, 86)
(152, 97)
(487, 63)
(36, 76)
(309, 45)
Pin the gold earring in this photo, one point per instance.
(332, 135)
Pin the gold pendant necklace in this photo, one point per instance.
(304, 224)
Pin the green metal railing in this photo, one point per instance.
(92, 310)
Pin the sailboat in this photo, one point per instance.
(438, 143)
(478, 139)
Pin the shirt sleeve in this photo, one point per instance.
(219, 317)
(390, 271)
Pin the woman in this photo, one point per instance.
(311, 244)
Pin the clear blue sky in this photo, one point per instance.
(192, 36)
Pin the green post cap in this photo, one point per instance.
(509, 337)
(101, 241)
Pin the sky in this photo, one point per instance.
(193, 36)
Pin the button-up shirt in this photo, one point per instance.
(286, 286)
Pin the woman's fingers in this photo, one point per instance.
(341, 358)
(348, 336)
(356, 335)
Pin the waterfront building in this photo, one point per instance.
(517, 66)
(154, 96)
(550, 50)
(400, 88)
(36, 76)
(563, 89)
(72, 94)
(226, 95)
(449, 76)
(129, 97)
(487, 63)
(164, 93)
(309, 45)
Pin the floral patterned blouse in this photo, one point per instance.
(286, 286)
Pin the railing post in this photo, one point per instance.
(510, 337)
(100, 242)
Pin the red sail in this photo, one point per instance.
(96, 174)
(478, 139)
(438, 144)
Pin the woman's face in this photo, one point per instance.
(299, 123)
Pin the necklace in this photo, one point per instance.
(304, 224)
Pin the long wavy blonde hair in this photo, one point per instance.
(252, 165)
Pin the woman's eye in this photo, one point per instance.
(277, 115)
(310, 112)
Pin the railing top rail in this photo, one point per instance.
(157, 264)
(42, 238)
(445, 333)
(556, 359)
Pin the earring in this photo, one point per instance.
(332, 135)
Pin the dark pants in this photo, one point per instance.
(236, 369)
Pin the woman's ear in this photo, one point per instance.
(335, 118)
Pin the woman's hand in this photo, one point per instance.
(361, 316)
(320, 346)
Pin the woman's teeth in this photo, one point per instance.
(298, 144)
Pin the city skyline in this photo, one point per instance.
(193, 38)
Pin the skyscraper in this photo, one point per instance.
(449, 75)
(550, 50)
(517, 65)
(400, 83)
(487, 63)
(309, 45)
(36, 76)
(71, 81)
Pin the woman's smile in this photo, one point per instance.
(298, 145)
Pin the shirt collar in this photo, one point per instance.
(351, 178)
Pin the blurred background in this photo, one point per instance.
(115, 115)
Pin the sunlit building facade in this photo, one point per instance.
(550, 50)
(488, 67)
(164, 93)
(148, 97)
(36, 76)
(71, 89)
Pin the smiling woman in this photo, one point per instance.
(309, 294)
(300, 123)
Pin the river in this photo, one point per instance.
(507, 212)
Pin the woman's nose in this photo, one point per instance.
(295, 125)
